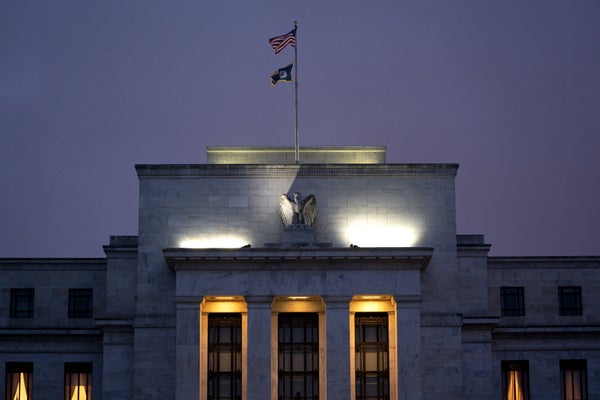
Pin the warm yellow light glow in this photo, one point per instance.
(225, 241)
(223, 304)
(372, 303)
(515, 392)
(366, 235)
(371, 297)
(79, 393)
(21, 391)
(298, 304)
(224, 298)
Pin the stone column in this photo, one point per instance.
(187, 348)
(259, 347)
(338, 347)
(408, 322)
(477, 358)
(117, 366)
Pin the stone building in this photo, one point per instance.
(356, 288)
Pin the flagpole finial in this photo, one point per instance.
(295, 23)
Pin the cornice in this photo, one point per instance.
(550, 332)
(277, 259)
(53, 264)
(544, 262)
(149, 171)
(464, 251)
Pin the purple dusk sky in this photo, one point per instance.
(510, 90)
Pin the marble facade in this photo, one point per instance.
(384, 240)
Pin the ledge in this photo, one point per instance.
(286, 155)
(148, 171)
(53, 264)
(393, 258)
(47, 332)
(113, 322)
(548, 331)
(477, 323)
(544, 262)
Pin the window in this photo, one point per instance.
(298, 356)
(569, 300)
(515, 380)
(80, 303)
(573, 380)
(373, 333)
(19, 377)
(224, 356)
(371, 359)
(78, 381)
(21, 303)
(512, 301)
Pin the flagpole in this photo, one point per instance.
(296, 92)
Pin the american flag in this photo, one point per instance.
(279, 42)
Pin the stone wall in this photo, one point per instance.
(50, 338)
(542, 336)
(195, 205)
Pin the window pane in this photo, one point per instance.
(515, 380)
(80, 303)
(21, 303)
(573, 379)
(371, 357)
(19, 377)
(512, 301)
(569, 299)
(370, 361)
(224, 356)
(298, 352)
(78, 381)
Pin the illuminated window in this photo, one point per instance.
(21, 303)
(80, 303)
(224, 356)
(78, 381)
(19, 377)
(373, 344)
(512, 301)
(298, 356)
(371, 358)
(515, 380)
(223, 348)
(569, 300)
(573, 380)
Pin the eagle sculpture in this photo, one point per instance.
(296, 211)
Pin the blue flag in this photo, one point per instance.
(282, 74)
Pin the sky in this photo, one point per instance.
(510, 90)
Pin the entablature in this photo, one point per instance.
(397, 258)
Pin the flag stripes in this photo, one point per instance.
(280, 42)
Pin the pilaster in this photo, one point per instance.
(338, 347)
(187, 349)
(259, 347)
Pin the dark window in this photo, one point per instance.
(80, 303)
(224, 356)
(513, 301)
(569, 300)
(371, 358)
(515, 380)
(21, 303)
(78, 381)
(19, 381)
(298, 356)
(573, 380)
